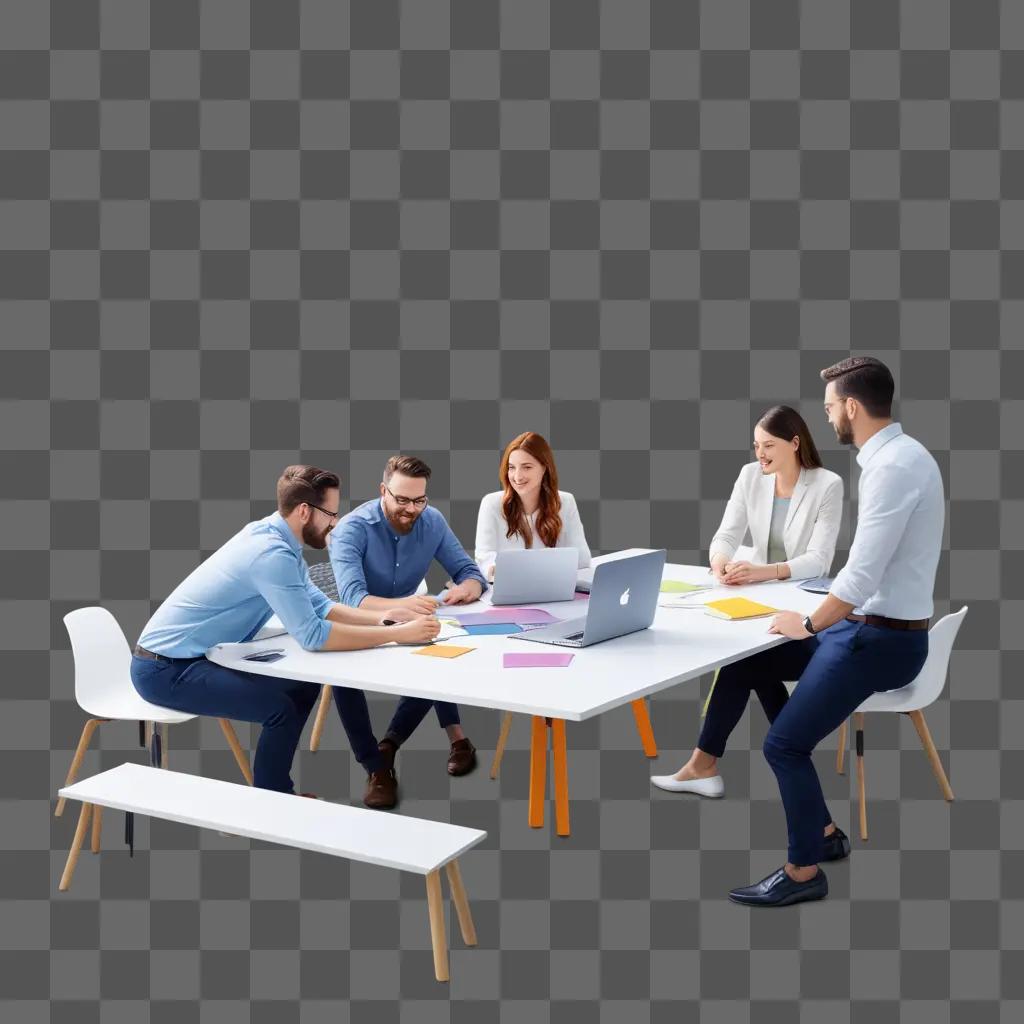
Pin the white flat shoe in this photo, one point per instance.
(713, 787)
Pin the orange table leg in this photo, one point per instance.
(538, 770)
(561, 769)
(643, 725)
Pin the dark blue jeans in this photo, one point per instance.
(837, 671)
(200, 687)
(355, 719)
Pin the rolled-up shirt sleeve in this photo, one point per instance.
(456, 561)
(347, 550)
(886, 503)
(282, 584)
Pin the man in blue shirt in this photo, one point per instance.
(229, 597)
(869, 635)
(380, 552)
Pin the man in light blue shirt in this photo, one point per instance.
(870, 634)
(380, 553)
(229, 597)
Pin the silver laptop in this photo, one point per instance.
(535, 575)
(623, 599)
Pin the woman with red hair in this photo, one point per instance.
(530, 508)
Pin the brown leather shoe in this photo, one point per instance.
(461, 758)
(381, 790)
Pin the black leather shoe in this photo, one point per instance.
(779, 890)
(837, 846)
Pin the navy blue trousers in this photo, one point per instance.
(355, 719)
(837, 671)
(200, 687)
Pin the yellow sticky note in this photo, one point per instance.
(443, 651)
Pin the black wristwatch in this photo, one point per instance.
(809, 626)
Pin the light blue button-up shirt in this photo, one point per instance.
(900, 518)
(259, 572)
(370, 558)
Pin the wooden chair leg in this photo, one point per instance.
(917, 717)
(499, 750)
(164, 730)
(76, 847)
(76, 762)
(461, 902)
(323, 706)
(236, 748)
(437, 935)
(97, 828)
(858, 723)
(561, 772)
(841, 751)
(643, 725)
(538, 770)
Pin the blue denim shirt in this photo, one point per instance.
(228, 597)
(370, 559)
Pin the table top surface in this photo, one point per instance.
(682, 644)
(388, 840)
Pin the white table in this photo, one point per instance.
(682, 644)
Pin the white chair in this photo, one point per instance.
(322, 576)
(909, 700)
(104, 690)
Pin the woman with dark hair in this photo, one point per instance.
(529, 507)
(792, 507)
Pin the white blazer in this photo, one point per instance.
(812, 525)
(491, 529)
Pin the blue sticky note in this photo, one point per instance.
(493, 629)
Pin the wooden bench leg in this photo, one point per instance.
(461, 902)
(76, 847)
(97, 828)
(561, 770)
(643, 725)
(236, 748)
(917, 717)
(841, 751)
(858, 723)
(76, 762)
(320, 721)
(499, 750)
(435, 909)
(538, 770)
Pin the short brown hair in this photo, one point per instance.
(865, 379)
(784, 422)
(406, 465)
(299, 484)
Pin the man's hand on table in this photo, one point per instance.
(789, 624)
(463, 593)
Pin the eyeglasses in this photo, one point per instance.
(333, 515)
(406, 502)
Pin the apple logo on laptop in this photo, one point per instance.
(624, 599)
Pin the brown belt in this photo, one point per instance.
(141, 652)
(887, 623)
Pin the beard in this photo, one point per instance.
(402, 522)
(313, 538)
(844, 431)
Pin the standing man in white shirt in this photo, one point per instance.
(870, 634)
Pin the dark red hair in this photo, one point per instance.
(549, 519)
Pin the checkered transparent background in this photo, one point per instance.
(236, 234)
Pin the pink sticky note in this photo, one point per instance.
(519, 616)
(581, 597)
(536, 660)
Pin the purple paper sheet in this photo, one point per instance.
(517, 616)
(536, 660)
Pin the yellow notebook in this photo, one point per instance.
(734, 608)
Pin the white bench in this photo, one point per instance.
(373, 837)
